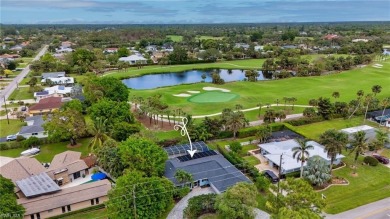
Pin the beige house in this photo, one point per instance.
(66, 200)
(66, 167)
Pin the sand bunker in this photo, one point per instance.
(377, 66)
(215, 88)
(193, 91)
(182, 95)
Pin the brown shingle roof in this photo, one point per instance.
(21, 168)
(64, 158)
(90, 160)
(47, 103)
(66, 196)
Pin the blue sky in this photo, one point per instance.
(191, 11)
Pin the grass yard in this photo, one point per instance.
(313, 131)
(369, 186)
(49, 150)
(175, 38)
(252, 160)
(163, 135)
(304, 89)
(209, 37)
(100, 213)
(386, 152)
(21, 94)
(212, 97)
(12, 128)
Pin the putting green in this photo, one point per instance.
(213, 97)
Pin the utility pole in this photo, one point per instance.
(6, 110)
(134, 205)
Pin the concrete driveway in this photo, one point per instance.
(177, 211)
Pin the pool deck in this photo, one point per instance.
(78, 181)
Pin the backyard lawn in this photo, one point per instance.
(252, 160)
(49, 150)
(10, 129)
(21, 94)
(251, 93)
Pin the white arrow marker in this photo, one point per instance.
(184, 132)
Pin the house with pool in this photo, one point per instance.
(272, 152)
(207, 167)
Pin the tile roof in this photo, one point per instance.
(66, 197)
(21, 168)
(47, 103)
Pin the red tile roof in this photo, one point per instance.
(47, 103)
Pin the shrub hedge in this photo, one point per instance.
(372, 161)
(199, 205)
(251, 131)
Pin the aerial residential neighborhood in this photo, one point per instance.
(190, 109)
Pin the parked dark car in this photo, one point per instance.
(271, 175)
(381, 159)
(23, 108)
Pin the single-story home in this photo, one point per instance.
(34, 127)
(134, 59)
(272, 151)
(45, 106)
(53, 74)
(64, 50)
(21, 168)
(60, 80)
(66, 200)
(110, 50)
(377, 115)
(208, 168)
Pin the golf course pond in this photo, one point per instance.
(152, 81)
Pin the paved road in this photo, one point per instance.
(375, 210)
(13, 85)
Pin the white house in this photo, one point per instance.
(55, 91)
(53, 74)
(64, 50)
(272, 151)
(359, 40)
(387, 124)
(370, 131)
(33, 128)
(110, 50)
(134, 59)
(60, 80)
(259, 48)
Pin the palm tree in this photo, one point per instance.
(183, 176)
(259, 105)
(293, 99)
(359, 145)
(301, 152)
(168, 112)
(285, 99)
(239, 107)
(317, 171)
(235, 121)
(99, 132)
(376, 89)
(360, 94)
(368, 99)
(281, 114)
(381, 139)
(334, 141)
(336, 94)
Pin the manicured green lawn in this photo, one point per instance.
(10, 129)
(175, 38)
(209, 37)
(212, 97)
(313, 131)
(252, 160)
(49, 150)
(304, 89)
(371, 184)
(21, 94)
(101, 213)
(163, 135)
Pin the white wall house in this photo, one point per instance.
(272, 151)
(55, 91)
(134, 59)
(60, 80)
